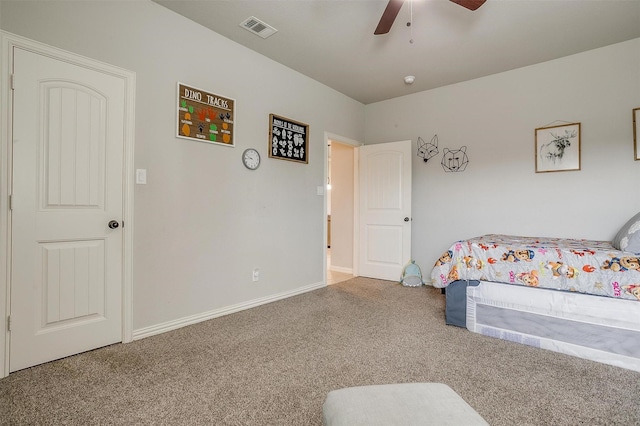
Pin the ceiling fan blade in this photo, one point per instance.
(470, 4)
(388, 16)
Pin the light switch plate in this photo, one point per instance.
(141, 176)
(320, 190)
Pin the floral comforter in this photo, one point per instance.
(593, 267)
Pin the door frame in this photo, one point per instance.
(9, 41)
(356, 198)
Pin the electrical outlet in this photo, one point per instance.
(256, 274)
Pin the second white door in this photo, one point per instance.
(385, 209)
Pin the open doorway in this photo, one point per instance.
(340, 210)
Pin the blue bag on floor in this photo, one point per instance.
(411, 275)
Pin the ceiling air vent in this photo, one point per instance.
(258, 27)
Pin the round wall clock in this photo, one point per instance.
(251, 158)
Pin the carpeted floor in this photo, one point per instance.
(274, 364)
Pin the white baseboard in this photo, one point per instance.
(341, 269)
(194, 319)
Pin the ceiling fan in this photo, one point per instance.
(393, 7)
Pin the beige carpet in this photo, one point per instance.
(274, 364)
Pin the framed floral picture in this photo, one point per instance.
(636, 133)
(558, 148)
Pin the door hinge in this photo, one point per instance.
(9, 323)
(10, 202)
(13, 81)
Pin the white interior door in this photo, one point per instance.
(68, 145)
(385, 209)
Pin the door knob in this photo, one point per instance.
(113, 224)
(406, 219)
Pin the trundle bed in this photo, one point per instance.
(578, 297)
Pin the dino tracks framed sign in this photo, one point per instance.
(288, 139)
(205, 117)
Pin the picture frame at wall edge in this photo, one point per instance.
(636, 133)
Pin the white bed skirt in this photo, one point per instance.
(601, 329)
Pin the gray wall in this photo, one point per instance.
(496, 118)
(203, 221)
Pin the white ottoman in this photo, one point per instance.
(405, 404)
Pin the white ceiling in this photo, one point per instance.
(332, 41)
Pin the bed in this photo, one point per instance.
(579, 297)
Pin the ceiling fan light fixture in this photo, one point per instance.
(409, 79)
(394, 6)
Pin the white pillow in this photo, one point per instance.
(628, 237)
